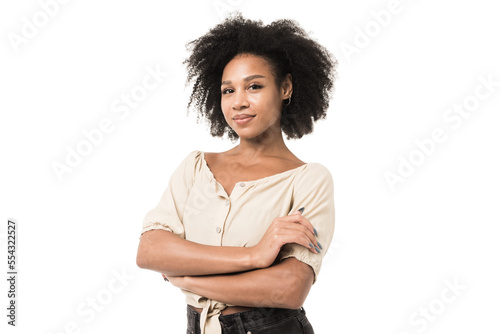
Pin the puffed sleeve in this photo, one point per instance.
(167, 215)
(313, 190)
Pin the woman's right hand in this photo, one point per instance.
(293, 228)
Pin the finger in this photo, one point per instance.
(302, 220)
(301, 210)
(298, 222)
(300, 239)
(303, 231)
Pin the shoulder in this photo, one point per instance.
(314, 175)
(194, 156)
(316, 170)
(191, 162)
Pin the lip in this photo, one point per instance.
(240, 116)
(244, 119)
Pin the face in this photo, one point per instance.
(249, 87)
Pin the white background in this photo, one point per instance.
(394, 249)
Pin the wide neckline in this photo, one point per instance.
(253, 181)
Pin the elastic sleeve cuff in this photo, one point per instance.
(303, 255)
(155, 226)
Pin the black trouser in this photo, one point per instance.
(259, 320)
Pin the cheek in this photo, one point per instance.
(225, 111)
(225, 108)
(226, 104)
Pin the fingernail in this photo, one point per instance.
(315, 232)
(320, 245)
(301, 210)
(311, 245)
(317, 249)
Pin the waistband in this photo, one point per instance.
(258, 316)
(261, 315)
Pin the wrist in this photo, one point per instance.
(253, 258)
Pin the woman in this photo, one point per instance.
(243, 232)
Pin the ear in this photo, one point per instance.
(287, 87)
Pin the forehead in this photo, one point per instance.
(245, 65)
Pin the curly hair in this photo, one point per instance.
(286, 47)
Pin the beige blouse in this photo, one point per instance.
(196, 207)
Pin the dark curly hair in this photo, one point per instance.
(286, 47)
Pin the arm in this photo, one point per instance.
(168, 253)
(165, 252)
(284, 285)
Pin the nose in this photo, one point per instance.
(240, 100)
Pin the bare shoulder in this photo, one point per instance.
(212, 158)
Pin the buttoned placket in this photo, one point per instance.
(227, 203)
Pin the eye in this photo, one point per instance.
(256, 86)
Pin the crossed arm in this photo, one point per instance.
(284, 285)
(227, 274)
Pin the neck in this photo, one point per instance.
(264, 145)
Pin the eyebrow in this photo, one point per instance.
(251, 77)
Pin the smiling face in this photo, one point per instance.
(249, 87)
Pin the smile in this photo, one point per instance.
(243, 120)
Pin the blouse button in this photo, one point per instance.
(227, 202)
(242, 184)
(218, 229)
